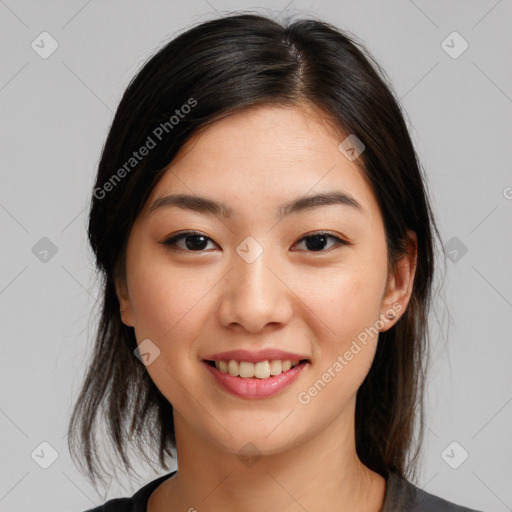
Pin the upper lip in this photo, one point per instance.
(255, 357)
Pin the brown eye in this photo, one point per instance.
(194, 241)
(317, 241)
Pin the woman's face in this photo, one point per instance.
(249, 280)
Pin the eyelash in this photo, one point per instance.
(171, 242)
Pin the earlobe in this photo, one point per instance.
(400, 284)
(124, 304)
(126, 316)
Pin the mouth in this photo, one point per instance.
(249, 380)
(259, 370)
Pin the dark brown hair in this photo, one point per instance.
(217, 68)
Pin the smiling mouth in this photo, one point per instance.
(260, 370)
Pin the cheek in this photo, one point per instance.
(346, 300)
(165, 298)
(346, 342)
(169, 309)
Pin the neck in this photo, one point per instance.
(322, 473)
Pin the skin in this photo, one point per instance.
(310, 301)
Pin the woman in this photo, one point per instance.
(267, 246)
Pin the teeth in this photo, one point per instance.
(275, 367)
(246, 369)
(260, 370)
(233, 368)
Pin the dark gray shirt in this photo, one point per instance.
(401, 495)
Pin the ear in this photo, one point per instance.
(125, 309)
(400, 284)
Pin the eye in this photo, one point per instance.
(194, 241)
(197, 242)
(316, 241)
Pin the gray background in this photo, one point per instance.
(55, 116)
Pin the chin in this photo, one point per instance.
(256, 440)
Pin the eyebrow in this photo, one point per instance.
(211, 207)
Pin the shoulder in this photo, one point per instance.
(115, 505)
(426, 501)
(403, 495)
(137, 503)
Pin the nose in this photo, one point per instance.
(254, 295)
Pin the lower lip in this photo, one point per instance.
(254, 387)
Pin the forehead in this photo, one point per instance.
(264, 155)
